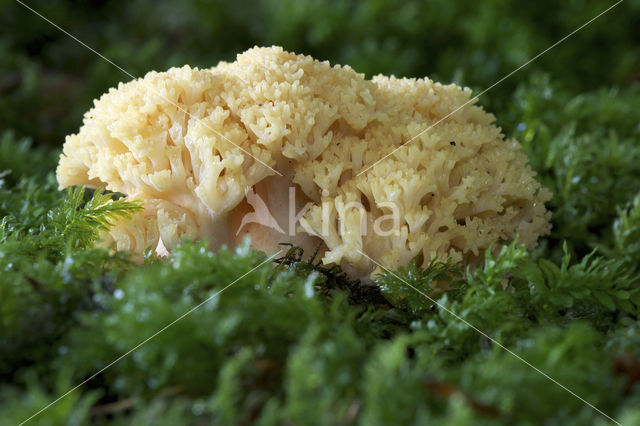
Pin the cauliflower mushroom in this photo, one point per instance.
(285, 148)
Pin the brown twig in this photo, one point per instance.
(628, 366)
(446, 390)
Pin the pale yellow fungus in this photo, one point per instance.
(193, 144)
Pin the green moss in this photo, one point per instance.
(293, 342)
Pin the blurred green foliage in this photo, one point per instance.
(293, 342)
(48, 80)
